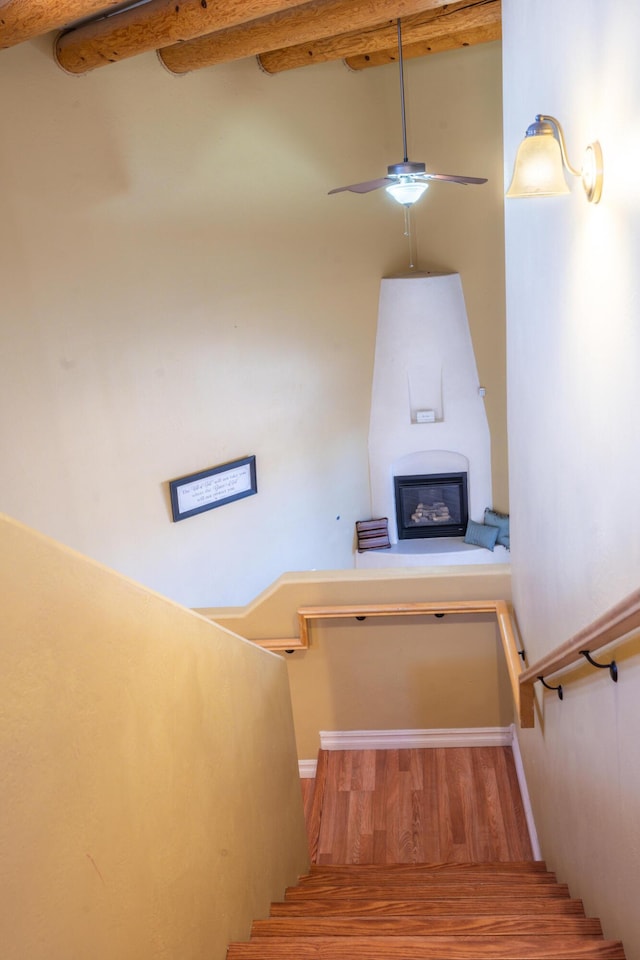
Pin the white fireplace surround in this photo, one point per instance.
(427, 411)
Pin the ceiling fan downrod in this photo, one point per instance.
(402, 106)
(408, 167)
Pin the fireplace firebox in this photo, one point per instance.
(432, 505)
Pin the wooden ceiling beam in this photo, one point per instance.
(425, 28)
(22, 20)
(152, 25)
(454, 41)
(315, 20)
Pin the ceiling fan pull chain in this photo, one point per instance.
(408, 234)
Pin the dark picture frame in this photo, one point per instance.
(213, 488)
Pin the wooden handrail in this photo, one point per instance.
(278, 644)
(523, 698)
(305, 614)
(618, 621)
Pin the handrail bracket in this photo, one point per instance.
(558, 689)
(612, 666)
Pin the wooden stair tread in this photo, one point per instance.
(436, 878)
(332, 907)
(516, 925)
(393, 869)
(426, 948)
(425, 891)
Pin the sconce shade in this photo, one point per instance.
(542, 159)
(538, 170)
(406, 191)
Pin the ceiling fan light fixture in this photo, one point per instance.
(407, 191)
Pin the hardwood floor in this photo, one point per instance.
(437, 805)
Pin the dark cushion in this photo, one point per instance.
(500, 520)
(481, 535)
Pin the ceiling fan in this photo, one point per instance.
(406, 181)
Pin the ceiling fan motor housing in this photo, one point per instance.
(406, 169)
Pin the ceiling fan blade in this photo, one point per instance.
(453, 178)
(365, 187)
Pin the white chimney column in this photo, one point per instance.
(427, 414)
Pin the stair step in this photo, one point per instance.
(483, 906)
(425, 891)
(436, 926)
(426, 876)
(509, 868)
(426, 948)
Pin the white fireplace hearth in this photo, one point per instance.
(440, 552)
(427, 414)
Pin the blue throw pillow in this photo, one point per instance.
(500, 520)
(481, 535)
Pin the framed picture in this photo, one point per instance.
(212, 488)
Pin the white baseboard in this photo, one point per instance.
(524, 793)
(307, 769)
(415, 739)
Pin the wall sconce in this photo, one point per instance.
(542, 159)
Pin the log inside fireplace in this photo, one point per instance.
(431, 505)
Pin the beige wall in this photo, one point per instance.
(402, 673)
(150, 796)
(573, 297)
(406, 674)
(179, 291)
(274, 612)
